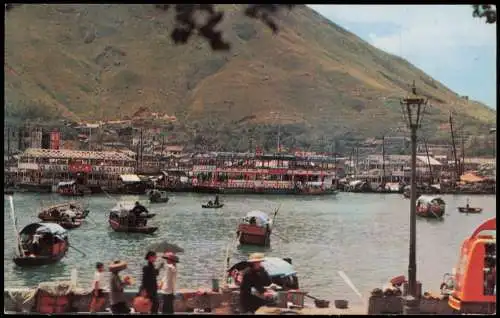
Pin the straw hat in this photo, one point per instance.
(256, 257)
(117, 266)
(171, 256)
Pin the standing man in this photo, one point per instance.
(168, 282)
(149, 283)
(252, 291)
(98, 285)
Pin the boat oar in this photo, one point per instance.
(81, 252)
(281, 237)
(350, 284)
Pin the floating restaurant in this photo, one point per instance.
(44, 168)
(266, 173)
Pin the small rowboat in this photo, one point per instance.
(213, 206)
(462, 209)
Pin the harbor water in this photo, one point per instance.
(364, 235)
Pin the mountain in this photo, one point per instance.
(314, 78)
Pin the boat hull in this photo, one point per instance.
(39, 261)
(430, 212)
(206, 206)
(117, 227)
(254, 235)
(161, 200)
(469, 210)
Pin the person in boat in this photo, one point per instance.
(168, 282)
(252, 291)
(139, 208)
(37, 248)
(117, 298)
(253, 220)
(467, 206)
(149, 280)
(216, 201)
(210, 203)
(98, 299)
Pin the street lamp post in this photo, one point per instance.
(413, 107)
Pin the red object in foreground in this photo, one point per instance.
(475, 279)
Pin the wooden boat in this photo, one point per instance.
(280, 271)
(255, 229)
(54, 213)
(157, 196)
(473, 289)
(430, 207)
(52, 244)
(212, 206)
(119, 221)
(469, 210)
(69, 225)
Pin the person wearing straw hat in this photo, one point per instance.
(252, 291)
(149, 282)
(117, 296)
(168, 282)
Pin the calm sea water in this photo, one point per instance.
(364, 235)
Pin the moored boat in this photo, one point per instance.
(56, 212)
(469, 210)
(41, 244)
(212, 206)
(280, 271)
(430, 207)
(255, 229)
(71, 188)
(157, 196)
(473, 289)
(121, 219)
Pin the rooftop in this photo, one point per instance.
(75, 154)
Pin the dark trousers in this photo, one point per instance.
(155, 304)
(168, 304)
(120, 308)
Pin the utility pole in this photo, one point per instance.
(429, 162)
(8, 143)
(457, 173)
(383, 159)
(413, 107)
(141, 149)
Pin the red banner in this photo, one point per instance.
(55, 140)
(79, 167)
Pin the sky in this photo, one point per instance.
(445, 41)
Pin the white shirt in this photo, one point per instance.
(169, 279)
(99, 278)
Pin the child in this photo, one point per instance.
(141, 303)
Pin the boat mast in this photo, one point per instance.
(454, 149)
(463, 156)
(383, 159)
(19, 248)
(429, 162)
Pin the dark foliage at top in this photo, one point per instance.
(186, 24)
(487, 11)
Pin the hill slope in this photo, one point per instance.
(106, 61)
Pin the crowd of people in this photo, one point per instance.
(163, 278)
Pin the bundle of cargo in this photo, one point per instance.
(54, 298)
